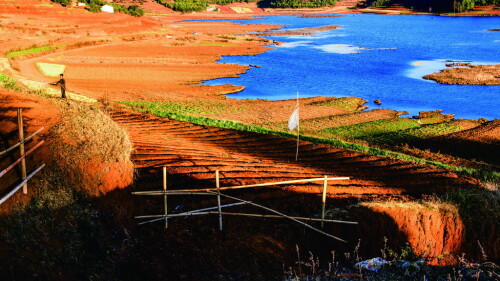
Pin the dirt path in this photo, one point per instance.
(243, 158)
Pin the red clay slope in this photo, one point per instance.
(244, 158)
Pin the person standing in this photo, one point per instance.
(62, 83)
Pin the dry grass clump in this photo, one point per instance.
(468, 75)
(444, 208)
(91, 149)
(95, 134)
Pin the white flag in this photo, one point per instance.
(293, 122)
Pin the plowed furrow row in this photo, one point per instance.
(224, 161)
(196, 152)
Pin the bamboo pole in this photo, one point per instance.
(165, 194)
(298, 128)
(323, 200)
(21, 142)
(188, 214)
(21, 147)
(241, 186)
(283, 215)
(20, 159)
(8, 195)
(170, 192)
(217, 184)
(193, 211)
(173, 216)
(185, 214)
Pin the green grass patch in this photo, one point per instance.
(480, 174)
(366, 130)
(8, 82)
(415, 134)
(184, 107)
(30, 51)
(349, 104)
(50, 69)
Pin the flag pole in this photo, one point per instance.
(298, 128)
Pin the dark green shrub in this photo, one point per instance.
(300, 3)
(94, 8)
(135, 11)
(62, 2)
(186, 6)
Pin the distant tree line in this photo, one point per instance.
(436, 5)
(95, 6)
(186, 6)
(301, 3)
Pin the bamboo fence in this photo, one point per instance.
(217, 210)
(22, 158)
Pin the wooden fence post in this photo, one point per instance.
(323, 200)
(165, 196)
(217, 184)
(21, 147)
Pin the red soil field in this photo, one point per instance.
(245, 158)
(159, 58)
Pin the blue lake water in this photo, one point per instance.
(396, 52)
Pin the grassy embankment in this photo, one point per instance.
(386, 131)
(61, 232)
(36, 50)
(30, 51)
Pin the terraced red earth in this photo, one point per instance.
(480, 142)
(244, 158)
